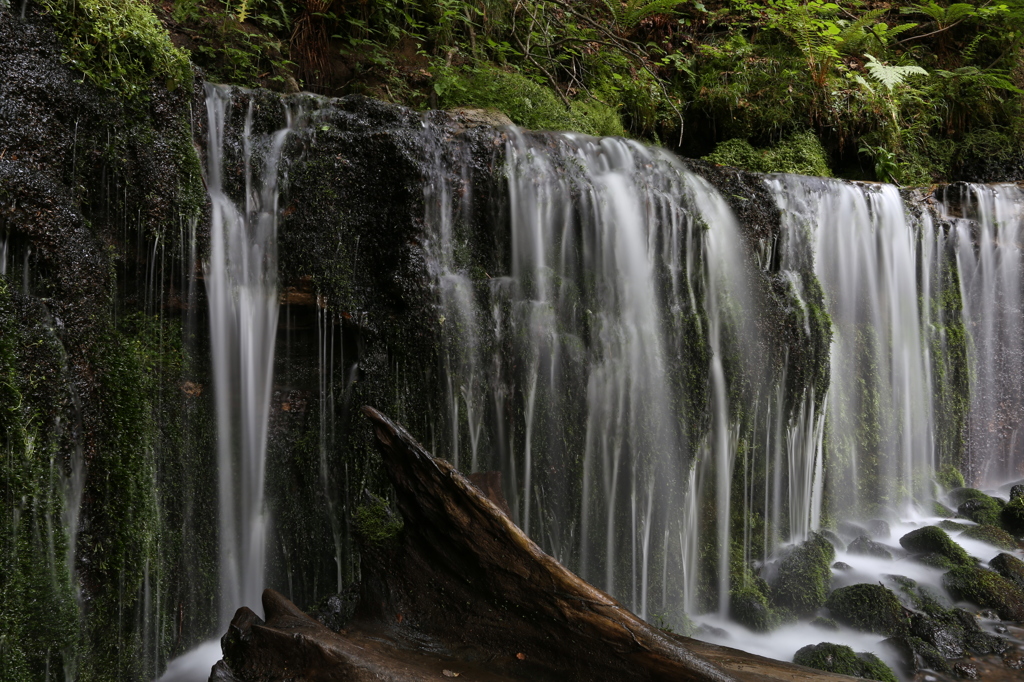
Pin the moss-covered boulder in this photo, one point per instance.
(958, 496)
(941, 510)
(1010, 567)
(750, 607)
(825, 623)
(993, 535)
(1011, 517)
(871, 608)
(841, 659)
(953, 526)
(868, 547)
(801, 585)
(934, 540)
(836, 541)
(983, 511)
(986, 589)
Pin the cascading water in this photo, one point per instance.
(986, 236)
(242, 288)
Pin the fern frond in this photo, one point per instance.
(890, 76)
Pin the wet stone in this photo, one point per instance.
(866, 546)
(965, 670)
(1010, 567)
(842, 566)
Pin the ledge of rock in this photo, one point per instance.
(461, 591)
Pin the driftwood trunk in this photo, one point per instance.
(461, 591)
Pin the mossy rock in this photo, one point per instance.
(1017, 492)
(870, 608)
(802, 583)
(1012, 516)
(935, 561)
(799, 153)
(941, 510)
(958, 496)
(953, 526)
(950, 478)
(1010, 567)
(911, 652)
(825, 623)
(749, 606)
(992, 535)
(934, 540)
(986, 589)
(841, 659)
(981, 511)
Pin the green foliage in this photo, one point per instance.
(800, 153)
(950, 477)
(119, 45)
(375, 523)
(525, 101)
(38, 613)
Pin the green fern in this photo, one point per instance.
(891, 76)
(630, 13)
(943, 16)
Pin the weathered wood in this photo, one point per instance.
(462, 589)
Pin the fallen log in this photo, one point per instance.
(460, 590)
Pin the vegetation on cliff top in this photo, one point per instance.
(893, 91)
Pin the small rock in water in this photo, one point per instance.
(1014, 660)
(1001, 629)
(879, 528)
(705, 629)
(842, 566)
(867, 546)
(966, 670)
(449, 673)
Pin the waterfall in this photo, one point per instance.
(866, 257)
(986, 237)
(242, 289)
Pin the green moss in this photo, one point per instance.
(1012, 516)
(986, 589)
(38, 613)
(932, 539)
(950, 477)
(803, 579)
(840, 659)
(958, 496)
(1010, 567)
(118, 44)
(993, 535)
(871, 608)
(800, 153)
(375, 523)
(953, 526)
(526, 102)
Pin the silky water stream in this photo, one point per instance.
(639, 372)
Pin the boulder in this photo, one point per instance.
(1017, 492)
(1010, 567)
(986, 589)
(914, 654)
(867, 546)
(870, 608)
(838, 658)
(958, 496)
(993, 535)
(981, 510)
(934, 540)
(1011, 516)
(802, 582)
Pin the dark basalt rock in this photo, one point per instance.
(871, 608)
(838, 658)
(914, 654)
(986, 589)
(934, 540)
(1010, 567)
(867, 546)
